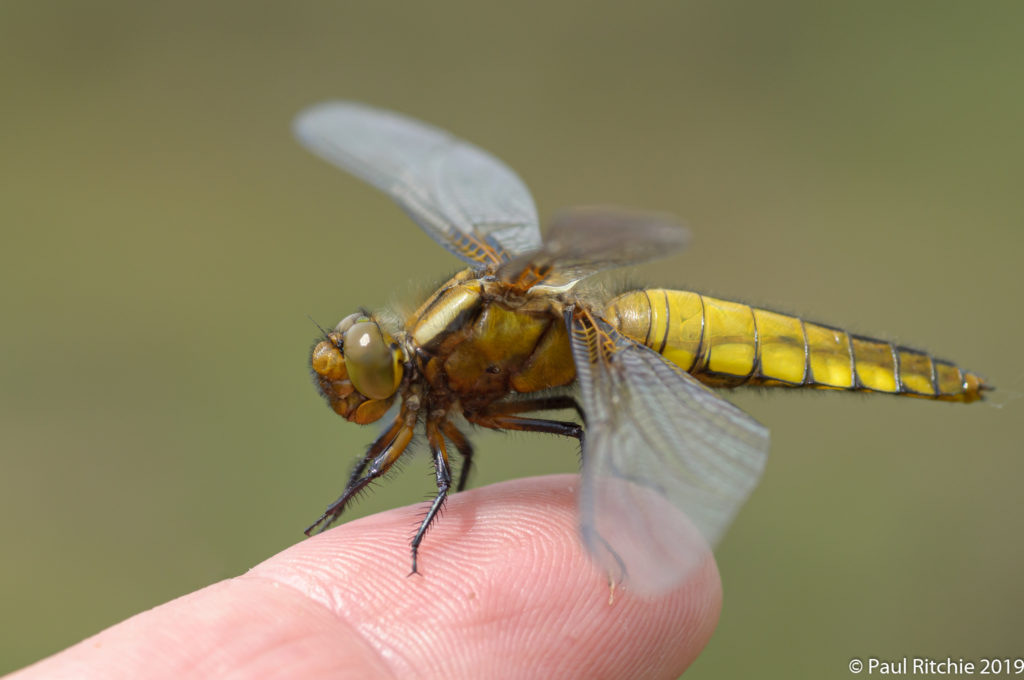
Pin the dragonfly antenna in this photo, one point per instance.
(317, 325)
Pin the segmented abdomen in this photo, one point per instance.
(724, 343)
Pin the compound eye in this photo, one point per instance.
(348, 322)
(370, 361)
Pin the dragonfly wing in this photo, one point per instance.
(583, 241)
(465, 198)
(667, 463)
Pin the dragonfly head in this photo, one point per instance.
(358, 367)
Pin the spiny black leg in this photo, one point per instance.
(335, 508)
(360, 466)
(372, 452)
(444, 481)
(509, 422)
(381, 455)
(465, 450)
(556, 403)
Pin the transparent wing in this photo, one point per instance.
(666, 462)
(583, 241)
(464, 197)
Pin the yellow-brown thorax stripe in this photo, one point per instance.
(727, 343)
(479, 343)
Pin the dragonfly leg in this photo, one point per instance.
(555, 403)
(379, 458)
(443, 472)
(498, 419)
(465, 450)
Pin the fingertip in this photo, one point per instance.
(505, 589)
(506, 571)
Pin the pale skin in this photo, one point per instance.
(505, 591)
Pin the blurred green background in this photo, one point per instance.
(164, 239)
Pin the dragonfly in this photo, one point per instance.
(666, 461)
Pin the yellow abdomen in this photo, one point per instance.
(725, 344)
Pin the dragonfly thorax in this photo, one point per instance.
(478, 341)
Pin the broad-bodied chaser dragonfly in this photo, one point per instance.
(666, 460)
